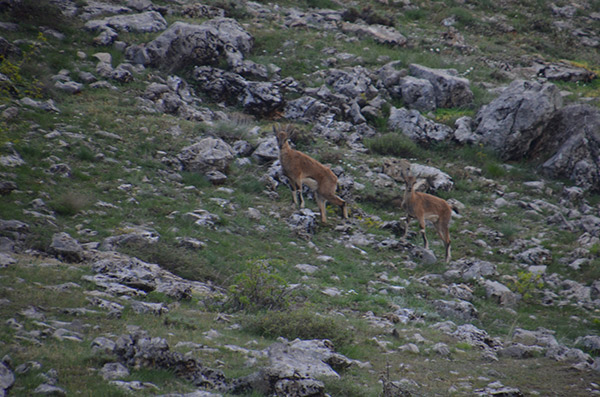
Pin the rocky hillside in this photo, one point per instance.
(149, 243)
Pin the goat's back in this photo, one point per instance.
(296, 164)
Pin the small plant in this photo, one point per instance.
(231, 131)
(528, 284)
(258, 288)
(192, 178)
(70, 203)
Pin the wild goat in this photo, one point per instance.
(423, 206)
(302, 169)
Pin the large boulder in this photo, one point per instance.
(66, 247)
(513, 121)
(417, 93)
(572, 139)
(450, 90)
(417, 127)
(189, 44)
(209, 154)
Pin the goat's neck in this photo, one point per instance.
(408, 192)
(285, 147)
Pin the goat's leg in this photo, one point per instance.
(295, 196)
(406, 222)
(442, 229)
(422, 231)
(301, 198)
(321, 204)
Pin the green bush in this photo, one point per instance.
(37, 12)
(393, 144)
(258, 288)
(303, 324)
(528, 284)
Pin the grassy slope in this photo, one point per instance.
(237, 239)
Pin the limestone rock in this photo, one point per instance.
(572, 139)
(449, 90)
(207, 155)
(417, 127)
(188, 44)
(7, 379)
(456, 308)
(146, 22)
(513, 121)
(380, 33)
(66, 247)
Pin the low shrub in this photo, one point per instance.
(302, 323)
(258, 288)
(393, 144)
(70, 203)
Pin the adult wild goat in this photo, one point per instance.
(423, 206)
(302, 169)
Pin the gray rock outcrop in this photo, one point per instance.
(188, 44)
(513, 121)
(146, 22)
(417, 127)
(256, 97)
(449, 89)
(66, 247)
(572, 138)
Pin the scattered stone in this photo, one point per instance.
(133, 386)
(303, 223)
(456, 308)
(65, 247)
(49, 390)
(111, 371)
(380, 33)
(7, 379)
(146, 22)
(210, 154)
(500, 293)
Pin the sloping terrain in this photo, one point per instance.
(148, 239)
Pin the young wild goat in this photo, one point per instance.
(423, 206)
(302, 169)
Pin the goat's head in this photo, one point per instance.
(405, 171)
(281, 134)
